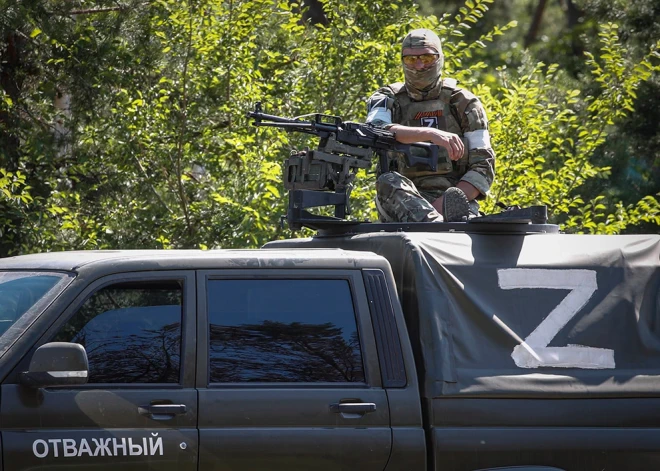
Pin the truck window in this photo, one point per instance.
(20, 291)
(131, 331)
(283, 330)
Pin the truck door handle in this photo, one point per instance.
(162, 410)
(352, 407)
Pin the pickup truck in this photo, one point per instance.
(375, 351)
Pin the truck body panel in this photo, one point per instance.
(398, 351)
(531, 349)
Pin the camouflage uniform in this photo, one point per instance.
(406, 194)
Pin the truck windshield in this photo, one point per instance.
(20, 292)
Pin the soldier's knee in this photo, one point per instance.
(385, 185)
(388, 182)
(388, 179)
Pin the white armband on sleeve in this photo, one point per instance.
(478, 139)
(379, 114)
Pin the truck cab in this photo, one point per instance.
(186, 360)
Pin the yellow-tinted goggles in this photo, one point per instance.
(427, 59)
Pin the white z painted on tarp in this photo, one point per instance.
(534, 351)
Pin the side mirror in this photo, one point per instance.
(57, 364)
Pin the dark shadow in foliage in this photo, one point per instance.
(312, 12)
(281, 352)
(11, 82)
(132, 335)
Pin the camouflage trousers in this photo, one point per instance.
(400, 199)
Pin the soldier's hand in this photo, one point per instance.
(450, 141)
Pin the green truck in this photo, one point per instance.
(447, 351)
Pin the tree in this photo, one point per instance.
(155, 150)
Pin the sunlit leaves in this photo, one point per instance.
(159, 153)
(545, 138)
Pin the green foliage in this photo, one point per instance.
(155, 149)
(545, 139)
(14, 200)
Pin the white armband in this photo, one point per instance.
(380, 114)
(478, 139)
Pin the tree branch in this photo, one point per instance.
(534, 27)
(91, 11)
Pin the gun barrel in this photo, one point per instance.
(258, 116)
(300, 125)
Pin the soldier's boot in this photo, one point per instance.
(455, 205)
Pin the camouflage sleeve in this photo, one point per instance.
(474, 125)
(379, 108)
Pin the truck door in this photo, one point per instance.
(139, 408)
(289, 372)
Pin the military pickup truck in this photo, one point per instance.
(379, 351)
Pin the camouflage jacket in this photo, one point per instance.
(456, 110)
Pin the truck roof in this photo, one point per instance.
(142, 260)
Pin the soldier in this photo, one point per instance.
(432, 109)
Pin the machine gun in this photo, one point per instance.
(324, 177)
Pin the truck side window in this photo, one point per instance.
(131, 331)
(279, 330)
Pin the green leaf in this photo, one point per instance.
(273, 189)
